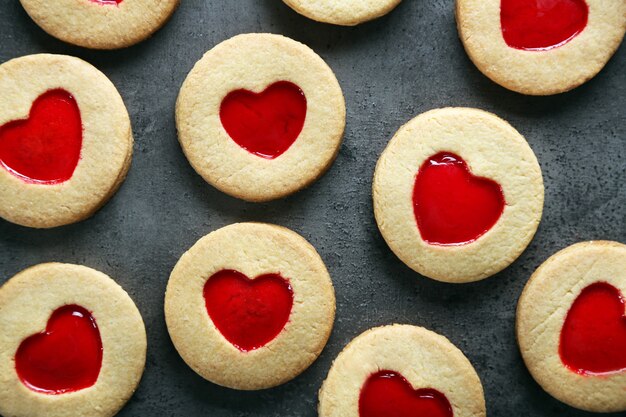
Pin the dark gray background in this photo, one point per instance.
(390, 70)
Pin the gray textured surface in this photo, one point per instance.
(390, 70)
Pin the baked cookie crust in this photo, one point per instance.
(252, 249)
(106, 132)
(26, 303)
(253, 62)
(424, 358)
(541, 313)
(343, 12)
(492, 149)
(546, 72)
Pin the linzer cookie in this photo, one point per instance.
(250, 306)
(401, 370)
(571, 326)
(458, 194)
(541, 47)
(100, 24)
(343, 12)
(260, 116)
(72, 343)
(65, 140)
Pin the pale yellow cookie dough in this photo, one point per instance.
(253, 249)
(107, 140)
(540, 72)
(541, 313)
(26, 302)
(492, 149)
(343, 12)
(253, 62)
(424, 358)
(100, 26)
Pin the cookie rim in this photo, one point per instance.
(346, 17)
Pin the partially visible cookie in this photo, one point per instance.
(260, 116)
(343, 12)
(458, 194)
(72, 343)
(541, 47)
(250, 306)
(65, 140)
(401, 370)
(571, 326)
(100, 24)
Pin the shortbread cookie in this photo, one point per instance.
(250, 306)
(72, 343)
(65, 140)
(458, 194)
(260, 116)
(541, 47)
(343, 12)
(571, 326)
(100, 24)
(401, 370)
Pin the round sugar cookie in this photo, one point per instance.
(100, 24)
(458, 194)
(73, 343)
(65, 140)
(250, 306)
(343, 12)
(260, 116)
(401, 370)
(571, 326)
(541, 47)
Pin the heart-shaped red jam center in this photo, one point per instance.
(451, 206)
(593, 338)
(389, 394)
(268, 123)
(539, 25)
(115, 2)
(249, 313)
(45, 148)
(66, 357)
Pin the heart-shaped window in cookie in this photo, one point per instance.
(593, 338)
(539, 25)
(66, 357)
(451, 205)
(44, 148)
(265, 124)
(249, 313)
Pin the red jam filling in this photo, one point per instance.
(268, 123)
(593, 338)
(66, 357)
(45, 148)
(249, 313)
(114, 2)
(389, 394)
(539, 25)
(451, 206)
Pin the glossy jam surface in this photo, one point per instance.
(451, 206)
(66, 357)
(45, 148)
(539, 25)
(268, 123)
(114, 2)
(593, 338)
(389, 394)
(249, 313)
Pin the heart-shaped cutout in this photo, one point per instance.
(113, 2)
(389, 394)
(45, 148)
(451, 206)
(249, 313)
(593, 337)
(66, 357)
(539, 25)
(265, 124)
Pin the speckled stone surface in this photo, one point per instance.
(390, 70)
